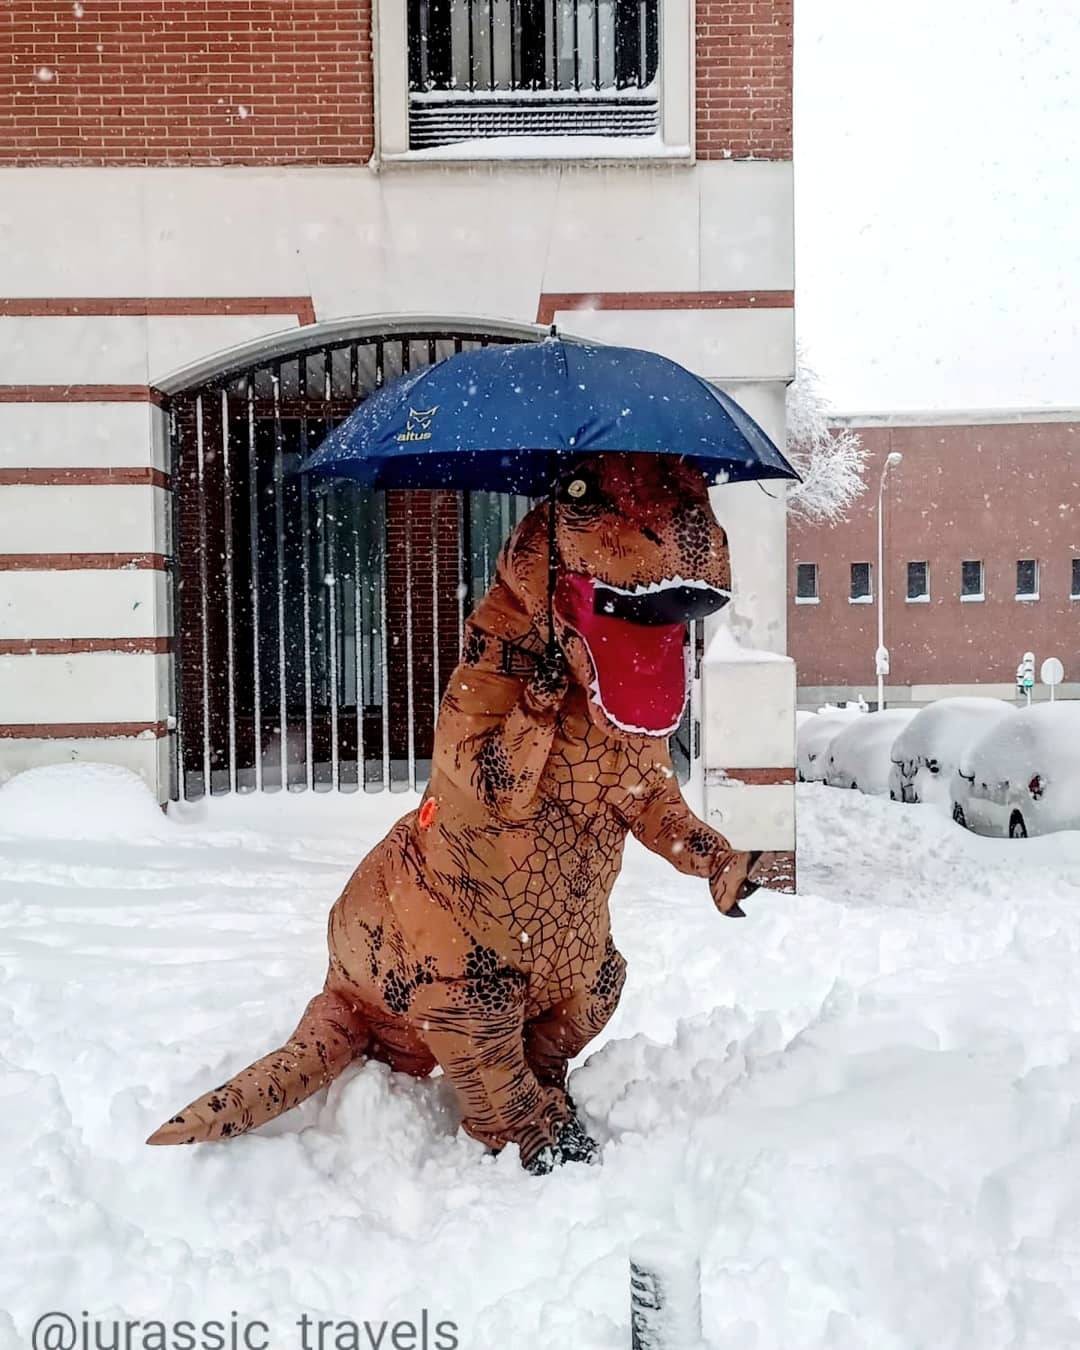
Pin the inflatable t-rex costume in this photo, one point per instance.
(476, 935)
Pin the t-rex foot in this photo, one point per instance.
(571, 1144)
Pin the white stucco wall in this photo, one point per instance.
(481, 243)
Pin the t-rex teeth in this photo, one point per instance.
(666, 584)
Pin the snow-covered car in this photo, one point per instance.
(861, 756)
(927, 752)
(815, 735)
(1023, 775)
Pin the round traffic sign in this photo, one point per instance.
(1051, 671)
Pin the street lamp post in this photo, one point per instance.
(881, 656)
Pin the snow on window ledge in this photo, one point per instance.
(807, 600)
(596, 149)
(860, 599)
(968, 599)
(917, 599)
(1029, 596)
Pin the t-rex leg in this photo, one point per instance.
(474, 1029)
(399, 1045)
(560, 1033)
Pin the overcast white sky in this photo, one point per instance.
(937, 173)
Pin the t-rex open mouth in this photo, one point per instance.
(636, 639)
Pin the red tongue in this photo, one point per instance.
(640, 668)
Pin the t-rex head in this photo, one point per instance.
(640, 553)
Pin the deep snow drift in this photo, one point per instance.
(860, 1104)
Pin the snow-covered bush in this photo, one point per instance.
(927, 752)
(861, 756)
(831, 460)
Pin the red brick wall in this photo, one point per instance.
(993, 494)
(162, 81)
(744, 75)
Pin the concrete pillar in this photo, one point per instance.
(748, 749)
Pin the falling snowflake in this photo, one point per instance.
(44, 74)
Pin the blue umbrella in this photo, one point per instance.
(494, 418)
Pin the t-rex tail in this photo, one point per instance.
(332, 1032)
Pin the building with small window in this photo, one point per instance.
(225, 224)
(982, 560)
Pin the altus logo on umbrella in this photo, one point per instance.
(418, 425)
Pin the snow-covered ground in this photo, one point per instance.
(862, 1104)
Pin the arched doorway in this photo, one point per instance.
(316, 623)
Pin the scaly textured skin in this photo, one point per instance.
(476, 934)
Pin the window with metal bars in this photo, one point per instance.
(480, 69)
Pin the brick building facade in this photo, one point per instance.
(204, 192)
(982, 561)
(291, 81)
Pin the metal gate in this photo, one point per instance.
(316, 622)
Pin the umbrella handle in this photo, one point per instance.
(553, 566)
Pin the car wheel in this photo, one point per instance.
(1017, 828)
(958, 815)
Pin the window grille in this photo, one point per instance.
(317, 622)
(487, 68)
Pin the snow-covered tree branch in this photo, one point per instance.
(831, 459)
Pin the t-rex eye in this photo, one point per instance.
(577, 488)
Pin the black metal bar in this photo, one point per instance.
(331, 582)
(577, 45)
(253, 520)
(596, 43)
(555, 43)
(492, 82)
(279, 552)
(384, 642)
(471, 16)
(204, 618)
(230, 605)
(305, 575)
(176, 607)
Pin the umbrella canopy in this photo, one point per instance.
(493, 418)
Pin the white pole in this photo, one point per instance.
(890, 462)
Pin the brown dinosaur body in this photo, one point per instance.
(476, 935)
